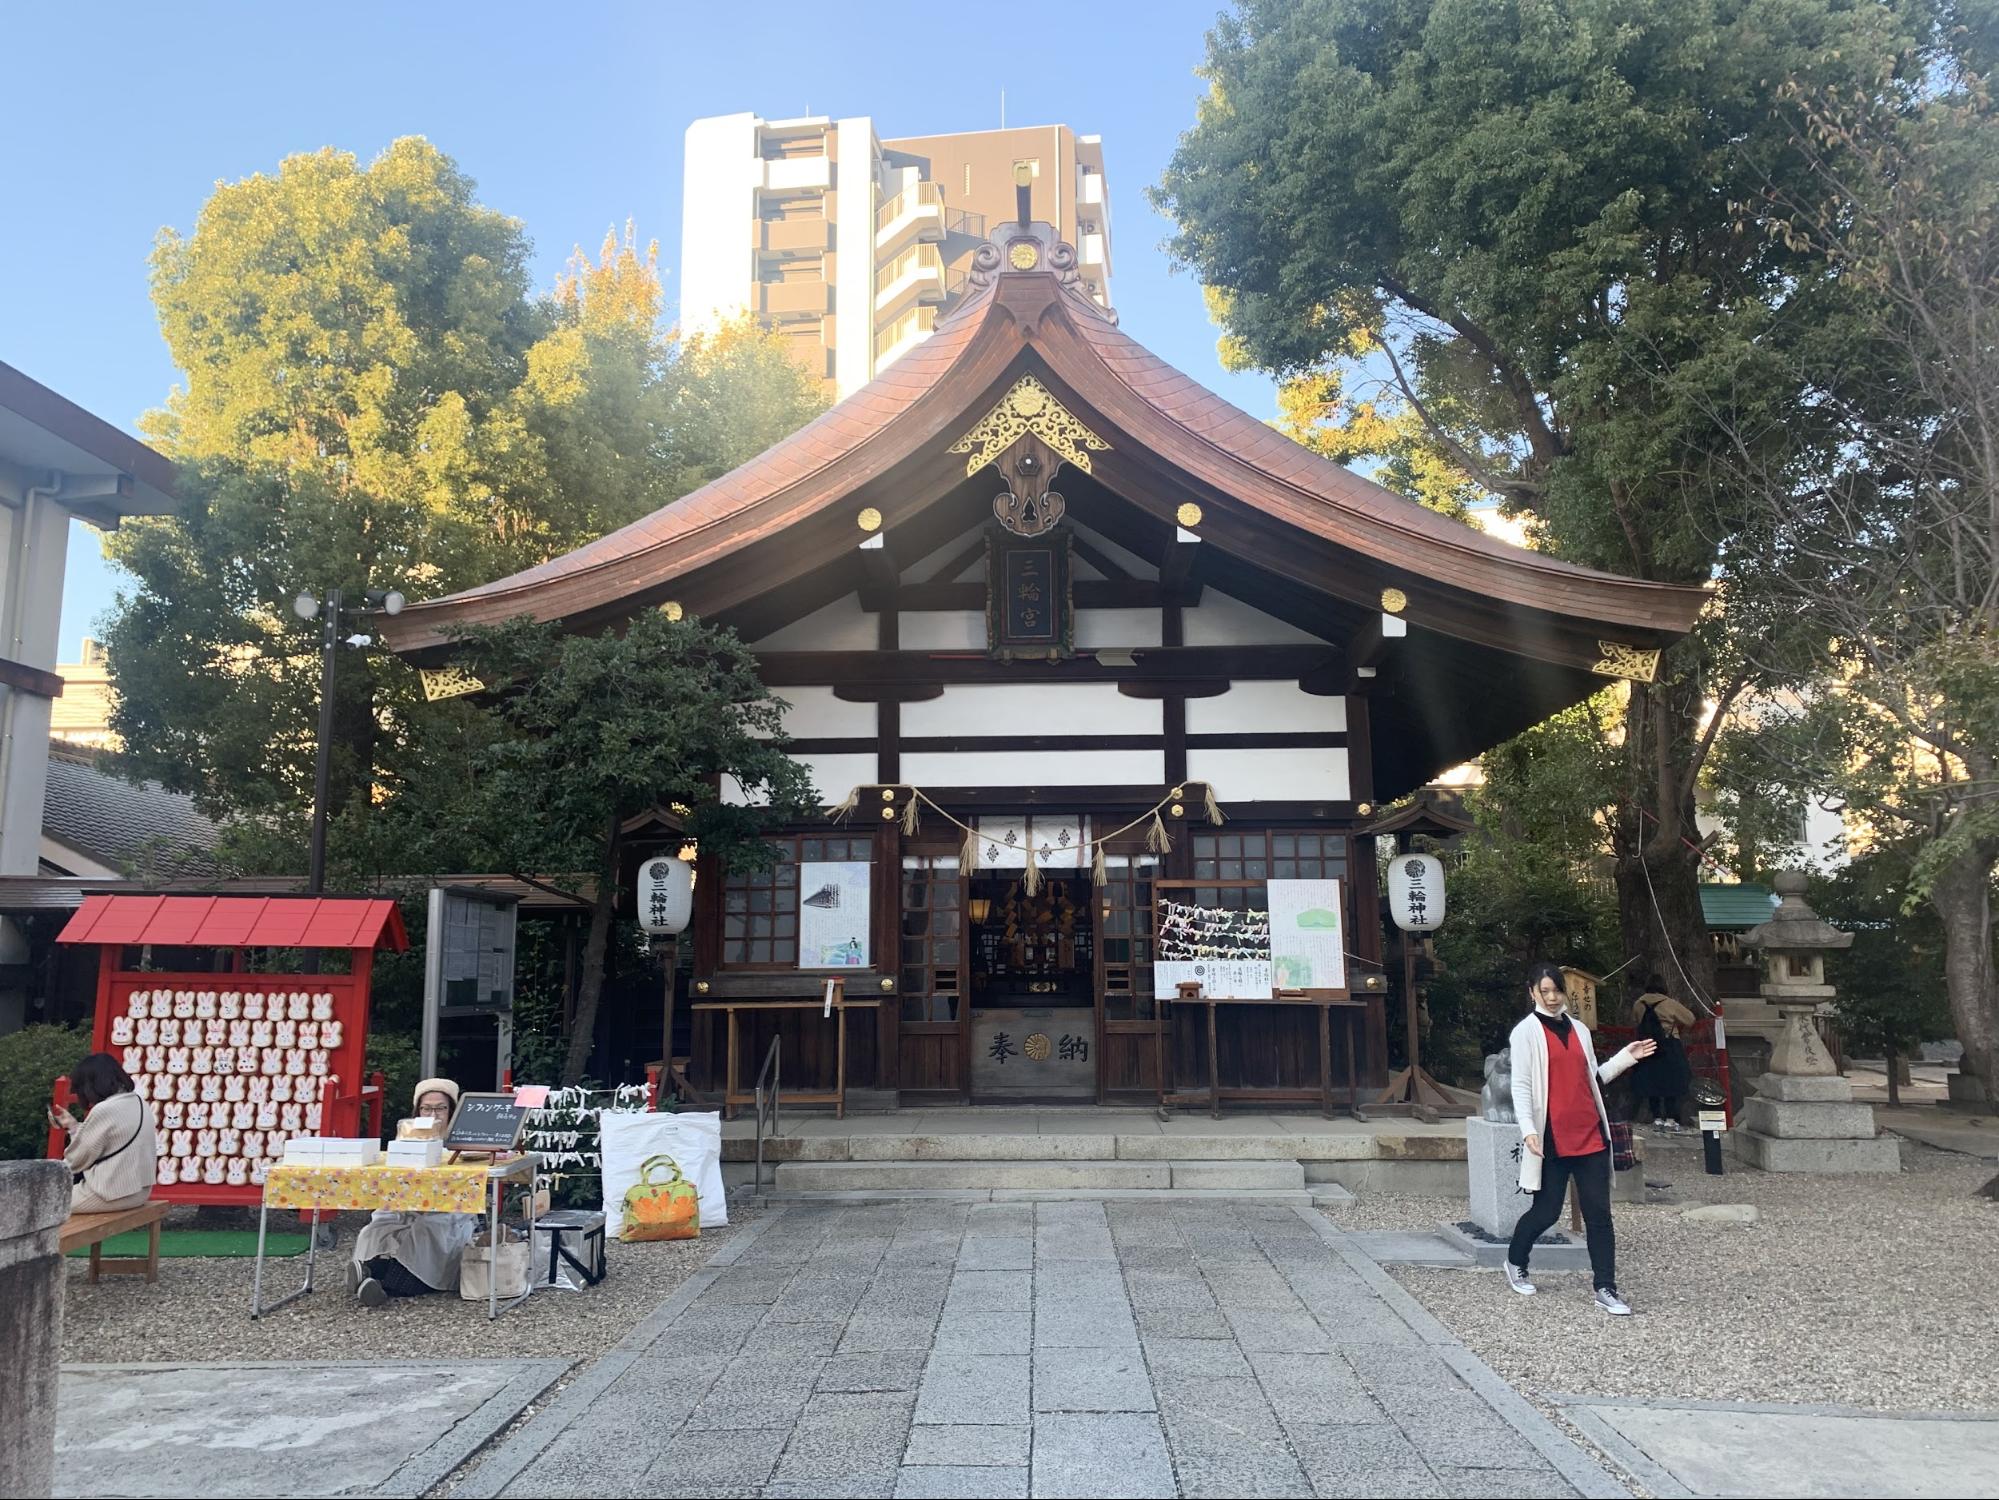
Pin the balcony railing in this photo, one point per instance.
(899, 337)
(919, 270)
(923, 195)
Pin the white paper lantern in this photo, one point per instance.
(1416, 892)
(666, 894)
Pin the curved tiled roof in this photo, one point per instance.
(885, 446)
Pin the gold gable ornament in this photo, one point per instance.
(1629, 662)
(1027, 436)
(448, 682)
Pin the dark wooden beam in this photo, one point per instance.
(29, 679)
(1089, 593)
(954, 744)
(851, 670)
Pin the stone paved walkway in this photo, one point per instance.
(1068, 1348)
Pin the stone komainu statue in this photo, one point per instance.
(1496, 1098)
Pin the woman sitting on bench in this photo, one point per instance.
(111, 1154)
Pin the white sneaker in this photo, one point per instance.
(1517, 1279)
(1610, 1302)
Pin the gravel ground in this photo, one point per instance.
(1866, 1291)
(199, 1310)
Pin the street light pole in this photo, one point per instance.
(322, 771)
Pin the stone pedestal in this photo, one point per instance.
(34, 1201)
(1492, 1157)
(1965, 1091)
(1492, 1160)
(1811, 1124)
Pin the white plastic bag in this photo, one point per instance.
(694, 1141)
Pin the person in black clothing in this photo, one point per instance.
(1661, 1079)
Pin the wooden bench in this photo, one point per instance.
(94, 1229)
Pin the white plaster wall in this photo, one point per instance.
(926, 568)
(1116, 627)
(1007, 708)
(1036, 768)
(816, 714)
(1220, 620)
(40, 531)
(717, 202)
(1131, 562)
(1272, 775)
(833, 776)
(1265, 708)
(942, 630)
(840, 626)
(854, 239)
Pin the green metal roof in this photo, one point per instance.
(1737, 908)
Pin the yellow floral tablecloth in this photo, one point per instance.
(430, 1190)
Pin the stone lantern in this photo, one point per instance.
(1803, 1118)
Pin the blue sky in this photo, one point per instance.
(125, 116)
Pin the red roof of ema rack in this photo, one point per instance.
(238, 922)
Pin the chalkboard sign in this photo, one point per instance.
(485, 1122)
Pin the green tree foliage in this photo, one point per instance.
(1892, 996)
(31, 1060)
(594, 731)
(1526, 209)
(1529, 885)
(373, 399)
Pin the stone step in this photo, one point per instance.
(1040, 1174)
(863, 1145)
(1316, 1196)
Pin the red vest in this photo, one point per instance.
(1574, 1127)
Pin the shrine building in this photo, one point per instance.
(1068, 600)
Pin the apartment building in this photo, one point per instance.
(850, 246)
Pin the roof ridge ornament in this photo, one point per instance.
(1031, 249)
(1028, 435)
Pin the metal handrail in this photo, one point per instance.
(773, 1071)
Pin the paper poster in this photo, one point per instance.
(833, 914)
(1308, 935)
(1225, 950)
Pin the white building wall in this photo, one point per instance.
(854, 242)
(718, 202)
(1035, 768)
(1004, 708)
(1272, 775)
(1265, 708)
(31, 578)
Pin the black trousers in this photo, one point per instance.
(1591, 1175)
(397, 1279)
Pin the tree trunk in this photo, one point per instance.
(583, 1030)
(1658, 872)
(1962, 895)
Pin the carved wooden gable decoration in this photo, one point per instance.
(1027, 436)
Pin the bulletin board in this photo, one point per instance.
(1282, 935)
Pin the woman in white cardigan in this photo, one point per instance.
(1564, 1132)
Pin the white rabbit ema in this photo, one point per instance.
(211, 1088)
(215, 1033)
(173, 1115)
(322, 1006)
(267, 1116)
(308, 1035)
(312, 1117)
(243, 1115)
(235, 1088)
(168, 1031)
(239, 1033)
(204, 1004)
(260, 1033)
(228, 1142)
(177, 1060)
(213, 1171)
(317, 1065)
(156, 1060)
(168, 1172)
(197, 1115)
(331, 1034)
(121, 1032)
(184, 1004)
(139, 1005)
(300, 1006)
(238, 1172)
(201, 1059)
(294, 1116)
(204, 1143)
(229, 1005)
(281, 1088)
(253, 1005)
(134, 1063)
(185, 1087)
(285, 1034)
